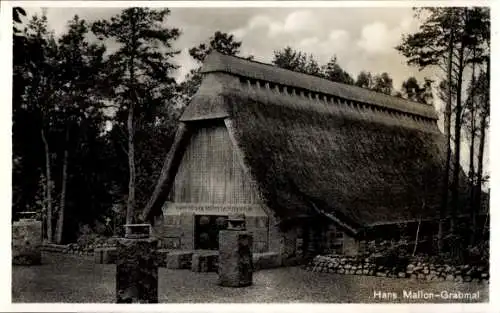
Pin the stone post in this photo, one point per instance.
(27, 240)
(351, 246)
(136, 266)
(235, 254)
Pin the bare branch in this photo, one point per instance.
(123, 148)
(441, 67)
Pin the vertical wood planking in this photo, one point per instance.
(210, 171)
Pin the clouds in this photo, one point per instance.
(374, 38)
(258, 23)
(186, 62)
(303, 29)
(378, 38)
(299, 22)
(336, 42)
(327, 33)
(339, 36)
(361, 38)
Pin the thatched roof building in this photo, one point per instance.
(313, 146)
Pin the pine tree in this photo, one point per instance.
(219, 41)
(364, 80)
(79, 68)
(411, 89)
(383, 84)
(444, 41)
(334, 72)
(39, 97)
(139, 71)
(297, 61)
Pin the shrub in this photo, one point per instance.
(89, 239)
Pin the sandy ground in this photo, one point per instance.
(71, 279)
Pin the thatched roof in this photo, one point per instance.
(217, 62)
(359, 157)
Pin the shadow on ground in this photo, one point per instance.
(64, 278)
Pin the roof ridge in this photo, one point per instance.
(219, 54)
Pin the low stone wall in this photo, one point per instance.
(415, 269)
(266, 260)
(65, 249)
(184, 260)
(173, 259)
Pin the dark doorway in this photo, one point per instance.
(207, 231)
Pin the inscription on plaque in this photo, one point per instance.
(224, 209)
(213, 210)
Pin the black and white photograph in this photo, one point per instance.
(168, 154)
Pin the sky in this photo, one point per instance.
(362, 38)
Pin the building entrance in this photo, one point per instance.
(207, 229)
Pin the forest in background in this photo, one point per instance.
(91, 127)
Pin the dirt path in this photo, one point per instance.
(71, 279)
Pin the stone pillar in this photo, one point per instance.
(27, 240)
(351, 246)
(136, 266)
(235, 254)
(187, 221)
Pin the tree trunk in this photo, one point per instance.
(64, 183)
(416, 237)
(458, 129)
(472, 173)
(131, 134)
(131, 163)
(48, 194)
(482, 138)
(447, 132)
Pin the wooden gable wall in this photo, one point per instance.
(211, 171)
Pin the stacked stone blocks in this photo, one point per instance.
(346, 265)
(205, 261)
(27, 242)
(179, 259)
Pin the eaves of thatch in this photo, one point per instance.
(357, 157)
